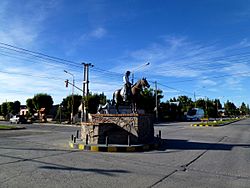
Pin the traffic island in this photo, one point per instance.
(113, 148)
(215, 123)
(116, 133)
(10, 127)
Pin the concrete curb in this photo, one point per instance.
(113, 148)
(199, 125)
(55, 124)
(12, 129)
(219, 125)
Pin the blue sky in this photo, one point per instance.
(192, 46)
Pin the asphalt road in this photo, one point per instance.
(39, 156)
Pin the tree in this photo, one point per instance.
(243, 109)
(186, 103)
(0, 110)
(16, 107)
(170, 110)
(66, 105)
(43, 100)
(4, 109)
(209, 106)
(248, 109)
(10, 107)
(147, 100)
(201, 103)
(30, 106)
(93, 101)
(230, 108)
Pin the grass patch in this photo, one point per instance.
(7, 127)
(217, 123)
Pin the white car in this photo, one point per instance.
(17, 119)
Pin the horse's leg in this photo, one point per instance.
(132, 107)
(117, 104)
(117, 107)
(135, 106)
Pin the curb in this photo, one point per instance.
(206, 125)
(12, 129)
(199, 125)
(113, 148)
(55, 124)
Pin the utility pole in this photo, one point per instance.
(85, 93)
(60, 106)
(156, 102)
(194, 100)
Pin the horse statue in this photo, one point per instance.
(135, 95)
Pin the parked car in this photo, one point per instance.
(195, 114)
(18, 119)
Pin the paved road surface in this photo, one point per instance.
(190, 157)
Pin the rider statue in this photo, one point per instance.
(127, 86)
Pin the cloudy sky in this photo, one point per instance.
(199, 47)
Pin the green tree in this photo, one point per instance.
(43, 100)
(209, 106)
(30, 106)
(93, 101)
(4, 109)
(16, 107)
(170, 110)
(147, 100)
(248, 109)
(10, 107)
(230, 108)
(186, 103)
(243, 109)
(66, 105)
(201, 103)
(0, 110)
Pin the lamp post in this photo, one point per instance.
(136, 69)
(72, 104)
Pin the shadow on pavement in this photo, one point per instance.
(190, 145)
(108, 172)
(54, 166)
(34, 149)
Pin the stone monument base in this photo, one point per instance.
(124, 129)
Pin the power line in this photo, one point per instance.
(31, 75)
(38, 54)
(110, 74)
(66, 62)
(174, 88)
(211, 77)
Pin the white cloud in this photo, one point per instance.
(239, 68)
(98, 33)
(21, 27)
(208, 83)
(95, 34)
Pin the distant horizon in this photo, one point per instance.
(222, 103)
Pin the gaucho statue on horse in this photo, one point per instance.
(129, 94)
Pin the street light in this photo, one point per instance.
(136, 69)
(72, 104)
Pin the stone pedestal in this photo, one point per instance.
(118, 129)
